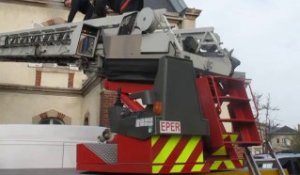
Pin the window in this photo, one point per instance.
(287, 142)
(51, 121)
(52, 117)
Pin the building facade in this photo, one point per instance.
(282, 138)
(48, 93)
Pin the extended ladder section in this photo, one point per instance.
(252, 163)
(103, 44)
(227, 106)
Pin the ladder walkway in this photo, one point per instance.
(227, 106)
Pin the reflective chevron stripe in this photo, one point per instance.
(188, 150)
(226, 164)
(173, 154)
(220, 152)
(167, 150)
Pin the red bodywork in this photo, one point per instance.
(157, 155)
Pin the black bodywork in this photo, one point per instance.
(175, 88)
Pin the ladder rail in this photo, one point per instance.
(254, 101)
(252, 163)
(273, 155)
(215, 91)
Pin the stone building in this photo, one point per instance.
(48, 93)
(282, 137)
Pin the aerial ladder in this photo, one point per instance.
(179, 108)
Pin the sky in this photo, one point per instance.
(265, 36)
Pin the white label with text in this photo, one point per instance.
(144, 122)
(170, 127)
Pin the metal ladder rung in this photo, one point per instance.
(268, 160)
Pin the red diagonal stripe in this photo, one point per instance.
(194, 156)
(237, 163)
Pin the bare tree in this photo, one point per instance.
(265, 120)
(270, 123)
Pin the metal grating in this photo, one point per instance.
(107, 152)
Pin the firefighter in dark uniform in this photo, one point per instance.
(83, 6)
(118, 6)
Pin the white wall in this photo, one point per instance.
(79, 78)
(53, 79)
(91, 105)
(19, 108)
(16, 73)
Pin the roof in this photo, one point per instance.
(283, 130)
(178, 6)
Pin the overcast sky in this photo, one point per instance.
(265, 35)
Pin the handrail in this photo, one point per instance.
(216, 94)
(254, 101)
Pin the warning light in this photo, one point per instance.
(157, 107)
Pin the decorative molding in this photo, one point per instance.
(71, 80)
(39, 90)
(38, 78)
(89, 85)
(192, 13)
(52, 114)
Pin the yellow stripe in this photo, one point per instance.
(200, 158)
(225, 136)
(229, 164)
(156, 169)
(188, 150)
(216, 165)
(241, 162)
(177, 168)
(167, 150)
(220, 152)
(234, 137)
(197, 168)
(154, 139)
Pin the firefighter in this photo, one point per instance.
(84, 6)
(118, 6)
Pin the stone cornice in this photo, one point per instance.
(39, 90)
(90, 84)
(192, 13)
